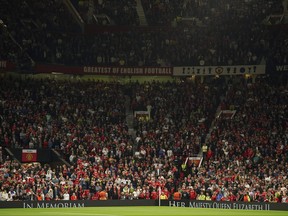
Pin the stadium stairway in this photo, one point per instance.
(130, 121)
(129, 118)
(9, 154)
(141, 14)
(208, 135)
(59, 159)
(75, 14)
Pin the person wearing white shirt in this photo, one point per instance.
(169, 153)
(4, 196)
(105, 151)
(66, 196)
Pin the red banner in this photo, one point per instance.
(110, 71)
(29, 155)
(6, 65)
(155, 71)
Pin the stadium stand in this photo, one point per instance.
(108, 12)
(246, 157)
(100, 150)
(213, 41)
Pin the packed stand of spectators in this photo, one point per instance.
(81, 120)
(86, 122)
(164, 12)
(60, 114)
(10, 50)
(136, 48)
(119, 12)
(247, 154)
(217, 34)
(180, 115)
(278, 54)
(30, 26)
(217, 41)
(33, 16)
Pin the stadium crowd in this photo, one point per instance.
(245, 155)
(214, 39)
(164, 12)
(252, 146)
(117, 12)
(85, 121)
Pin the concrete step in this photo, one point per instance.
(141, 14)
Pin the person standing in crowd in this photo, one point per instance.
(66, 195)
(163, 196)
(177, 195)
(103, 195)
(204, 151)
(73, 196)
(192, 194)
(201, 196)
(208, 197)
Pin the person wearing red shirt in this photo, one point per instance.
(147, 194)
(214, 196)
(141, 195)
(192, 194)
(209, 154)
(166, 192)
(95, 196)
(154, 195)
(231, 197)
(73, 197)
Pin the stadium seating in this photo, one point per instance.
(86, 123)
